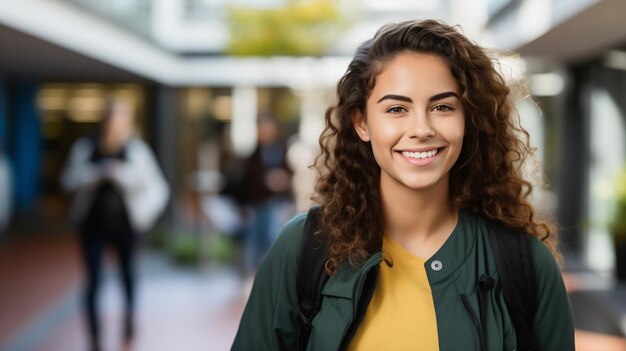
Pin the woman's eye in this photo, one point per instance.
(396, 109)
(442, 108)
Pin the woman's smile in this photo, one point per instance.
(421, 157)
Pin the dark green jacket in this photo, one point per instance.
(269, 320)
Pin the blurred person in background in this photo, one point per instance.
(119, 193)
(300, 156)
(420, 156)
(5, 190)
(263, 191)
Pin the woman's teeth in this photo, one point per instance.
(419, 155)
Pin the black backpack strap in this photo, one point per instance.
(512, 254)
(311, 275)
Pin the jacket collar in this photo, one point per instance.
(343, 282)
(452, 254)
(455, 251)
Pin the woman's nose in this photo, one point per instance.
(421, 127)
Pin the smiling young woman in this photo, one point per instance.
(415, 124)
(420, 156)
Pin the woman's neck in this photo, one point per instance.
(419, 220)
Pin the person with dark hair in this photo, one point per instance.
(263, 193)
(421, 155)
(120, 192)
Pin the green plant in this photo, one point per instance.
(157, 237)
(298, 28)
(190, 248)
(221, 248)
(184, 248)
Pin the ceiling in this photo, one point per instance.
(583, 36)
(24, 56)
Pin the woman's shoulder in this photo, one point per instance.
(543, 259)
(284, 254)
(136, 144)
(539, 251)
(546, 267)
(139, 150)
(290, 235)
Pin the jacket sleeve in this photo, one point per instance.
(553, 326)
(269, 318)
(78, 171)
(144, 184)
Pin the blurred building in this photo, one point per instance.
(174, 59)
(196, 94)
(575, 56)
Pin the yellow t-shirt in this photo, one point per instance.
(401, 315)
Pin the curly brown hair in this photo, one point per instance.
(486, 179)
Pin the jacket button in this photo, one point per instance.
(436, 265)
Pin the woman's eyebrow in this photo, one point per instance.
(441, 96)
(436, 97)
(395, 97)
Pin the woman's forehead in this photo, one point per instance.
(415, 73)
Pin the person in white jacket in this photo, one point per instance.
(119, 192)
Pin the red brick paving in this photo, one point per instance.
(35, 273)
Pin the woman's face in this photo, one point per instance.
(415, 122)
(119, 127)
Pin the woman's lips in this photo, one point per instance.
(420, 155)
(423, 157)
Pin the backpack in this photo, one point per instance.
(511, 252)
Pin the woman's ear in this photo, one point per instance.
(360, 125)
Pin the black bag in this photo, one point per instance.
(510, 249)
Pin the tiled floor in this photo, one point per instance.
(36, 272)
(179, 308)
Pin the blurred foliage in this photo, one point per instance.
(299, 28)
(618, 223)
(184, 248)
(188, 248)
(157, 237)
(222, 248)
